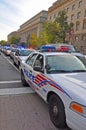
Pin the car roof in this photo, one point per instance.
(53, 53)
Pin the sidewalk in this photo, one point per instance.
(24, 112)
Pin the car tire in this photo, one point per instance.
(57, 112)
(23, 79)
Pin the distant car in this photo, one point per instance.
(21, 55)
(60, 79)
(12, 53)
(7, 51)
(65, 48)
(47, 48)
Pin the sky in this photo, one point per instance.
(14, 13)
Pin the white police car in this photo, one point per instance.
(60, 79)
(21, 55)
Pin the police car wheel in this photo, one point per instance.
(23, 79)
(56, 111)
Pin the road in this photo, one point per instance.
(20, 107)
(8, 73)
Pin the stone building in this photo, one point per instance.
(32, 26)
(12, 34)
(76, 13)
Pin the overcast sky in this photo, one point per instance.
(14, 13)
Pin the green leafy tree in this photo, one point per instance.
(3, 42)
(53, 32)
(34, 41)
(64, 27)
(14, 40)
(49, 32)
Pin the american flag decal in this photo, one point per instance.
(41, 81)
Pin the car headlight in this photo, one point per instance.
(80, 109)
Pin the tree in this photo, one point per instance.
(64, 27)
(14, 40)
(3, 42)
(53, 32)
(34, 41)
(49, 32)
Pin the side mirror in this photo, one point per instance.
(47, 67)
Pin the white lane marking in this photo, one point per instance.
(7, 82)
(15, 91)
(11, 63)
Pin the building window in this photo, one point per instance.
(78, 15)
(50, 17)
(76, 38)
(85, 14)
(83, 38)
(80, 4)
(54, 15)
(72, 17)
(84, 25)
(77, 26)
(68, 9)
(73, 7)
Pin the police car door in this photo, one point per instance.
(28, 69)
(38, 72)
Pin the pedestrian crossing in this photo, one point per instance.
(15, 91)
(7, 82)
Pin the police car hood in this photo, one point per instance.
(75, 82)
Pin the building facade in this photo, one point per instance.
(76, 13)
(12, 34)
(32, 26)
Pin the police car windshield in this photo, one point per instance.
(64, 64)
(25, 52)
(14, 50)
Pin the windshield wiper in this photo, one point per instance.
(58, 71)
(78, 71)
(63, 71)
